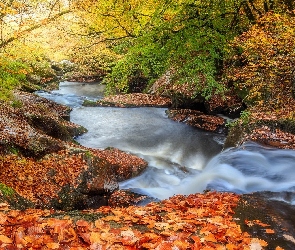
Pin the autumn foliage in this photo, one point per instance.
(38, 157)
(138, 41)
(201, 221)
(262, 68)
(133, 100)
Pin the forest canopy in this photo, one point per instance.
(132, 43)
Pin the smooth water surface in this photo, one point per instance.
(73, 94)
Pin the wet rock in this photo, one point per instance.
(229, 105)
(198, 119)
(269, 130)
(268, 216)
(11, 197)
(73, 178)
(59, 173)
(69, 198)
(34, 104)
(17, 135)
(55, 127)
(125, 198)
(96, 182)
(35, 126)
(235, 137)
(131, 100)
(100, 176)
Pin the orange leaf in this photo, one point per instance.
(95, 237)
(231, 246)
(82, 223)
(210, 237)
(258, 222)
(279, 248)
(165, 246)
(53, 245)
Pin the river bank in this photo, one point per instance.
(62, 175)
(42, 163)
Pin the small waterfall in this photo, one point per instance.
(182, 159)
(245, 169)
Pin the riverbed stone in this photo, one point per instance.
(98, 178)
(35, 126)
(198, 119)
(275, 225)
(228, 104)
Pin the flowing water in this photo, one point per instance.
(182, 159)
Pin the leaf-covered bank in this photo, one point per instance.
(41, 162)
(201, 221)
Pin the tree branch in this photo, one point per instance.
(34, 27)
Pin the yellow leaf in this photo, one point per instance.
(95, 237)
(5, 239)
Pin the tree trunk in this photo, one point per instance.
(293, 83)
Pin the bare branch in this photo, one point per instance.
(34, 27)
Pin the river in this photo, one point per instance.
(181, 159)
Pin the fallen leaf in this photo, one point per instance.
(5, 239)
(53, 245)
(269, 231)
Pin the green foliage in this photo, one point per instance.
(12, 74)
(187, 37)
(88, 154)
(22, 67)
(7, 191)
(16, 104)
(38, 71)
(13, 150)
(143, 61)
(244, 119)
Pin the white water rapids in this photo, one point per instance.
(182, 160)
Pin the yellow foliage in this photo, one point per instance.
(262, 62)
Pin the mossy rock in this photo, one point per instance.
(11, 197)
(69, 199)
(55, 128)
(234, 137)
(89, 103)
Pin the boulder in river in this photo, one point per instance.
(198, 119)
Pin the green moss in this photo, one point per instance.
(11, 197)
(243, 120)
(89, 103)
(16, 104)
(76, 215)
(5, 190)
(13, 150)
(88, 154)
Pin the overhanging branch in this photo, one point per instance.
(43, 22)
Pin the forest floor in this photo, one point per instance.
(199, 221)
